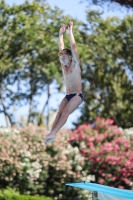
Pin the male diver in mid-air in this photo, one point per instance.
(70, 63)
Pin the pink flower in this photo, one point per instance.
(121, 187)
(109, 175)
(127, 163)
(103, 174)
(99, 171)
(101, 181)
(97, 159)
(114, 178)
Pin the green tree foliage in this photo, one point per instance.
(127, 3)
(27, 43)
(108, 70)
(29, 56)
(28, 48)
(29, 62)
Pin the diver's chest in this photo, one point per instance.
(69, 73)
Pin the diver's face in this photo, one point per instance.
(65, 59)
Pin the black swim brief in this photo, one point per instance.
(69, 96)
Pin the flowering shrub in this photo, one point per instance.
(108, 153)
(101, 153)
(22, 159)
(28, 165)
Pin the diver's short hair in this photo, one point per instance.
(65, 51)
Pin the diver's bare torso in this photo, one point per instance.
(72, 78)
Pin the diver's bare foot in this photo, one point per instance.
(49, 138)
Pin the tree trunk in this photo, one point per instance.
(7, 118)
(48, 94)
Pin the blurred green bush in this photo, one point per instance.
(9, 194)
